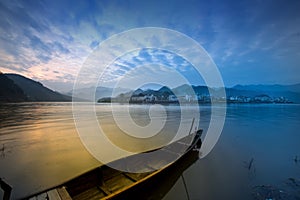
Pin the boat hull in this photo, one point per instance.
(145, 178)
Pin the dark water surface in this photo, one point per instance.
(39, 148)
(266, 134)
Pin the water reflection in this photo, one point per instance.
(42, 148)
(269, 135)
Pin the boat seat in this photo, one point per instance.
(63, 193)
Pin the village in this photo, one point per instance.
(170, 98)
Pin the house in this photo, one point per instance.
(137, 98)
(263, 98)
(172, 98)
(150, 98)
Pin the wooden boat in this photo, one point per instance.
(152, 177)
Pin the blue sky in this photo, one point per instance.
(251, 42)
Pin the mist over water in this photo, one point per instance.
(43, 149)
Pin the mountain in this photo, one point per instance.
(100, 92)
(242, 92)
(165, 90)
(190, 90)
(292, 92)
(35, 91)
(183, 90)
(138, 91)
(9, 91)
(238, 93)
(270, 88)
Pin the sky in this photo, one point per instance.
(251, 42)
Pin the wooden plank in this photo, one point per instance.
(118, 182)
(108, 173)
(138, 176)
(90, 194)
(130, 177)
(63, 193)
(104, 189)
(42, 196)
(135, 183)
(53, 195)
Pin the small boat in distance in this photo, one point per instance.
(152, 177)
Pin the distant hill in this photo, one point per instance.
(292, 92)
(241, 93)
(9, 91)
(17, 88)
(35, 91)
(270, 88)
(188, 90)
(138, 91)
(99, 93)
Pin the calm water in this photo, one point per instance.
(39, 148)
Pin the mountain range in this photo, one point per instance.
(17, 88)
(100, 92)
(9, 91)
(238, 93)
(291, 92)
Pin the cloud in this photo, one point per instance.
(35, 46)
(94, 44)
(59, 35)
(148, 63)
(151, 73)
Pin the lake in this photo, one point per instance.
(259, 145)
